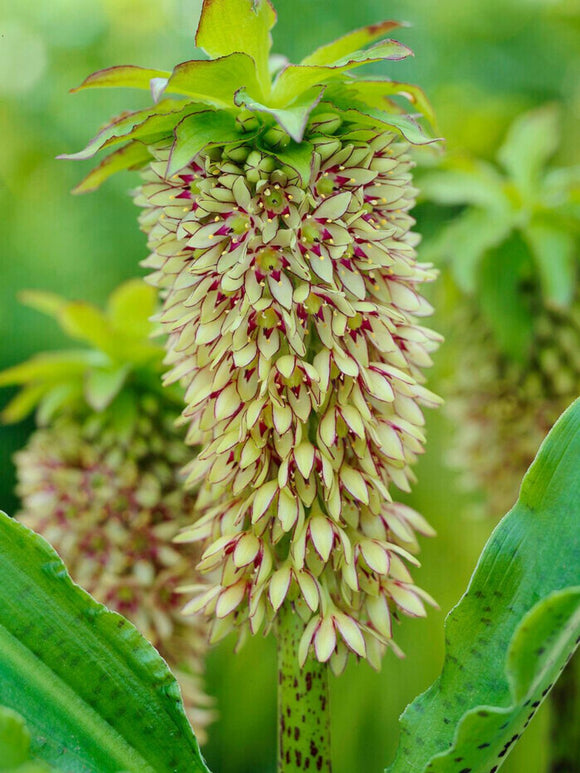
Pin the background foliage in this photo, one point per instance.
(482, 64)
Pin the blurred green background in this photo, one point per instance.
(482, 63)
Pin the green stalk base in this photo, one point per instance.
(303, 704)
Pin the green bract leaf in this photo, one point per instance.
(228, 26)
(467, 181)
(15, 745)
(464, 243)
(217, 80)
(292, 119)
(48, 367)
(531, 141)
(130, 308)
(139, 123)
(124, 76)
(554, 252)
(349, 43)
(95, 694)
(130, 156)
(378, 93)
(197, 131)
(298, 155)
(294, 79)
(103, 385)
(404, 125)
(503, 305)
(511, 633)
(47, 303)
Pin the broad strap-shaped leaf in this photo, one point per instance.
(130, 156)
(513, 630)
(198, 131)
(228, 26)
(297, 78)
(359, 113)
(554, 252)
(95, 695)
(292, 119)
(215, 81)
(531, 141)
(15, 745)
(349, 43)
(122, 76)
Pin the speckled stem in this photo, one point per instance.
(565, 720)
(303, 705)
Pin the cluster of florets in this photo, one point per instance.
(502, 416)
(111, 506)
(291, 311)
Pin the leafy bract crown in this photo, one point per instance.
(119, 363)
(241, 93)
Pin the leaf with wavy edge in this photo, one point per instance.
(215, 81)
(228, 26)
(95, 694)
(349, 43)
(131, 156)
(122, 76)
(124, 127)
(196, 132)
(294, 79)
(512, 631)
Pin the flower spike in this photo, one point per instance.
(277, 211)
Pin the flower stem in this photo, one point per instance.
(303, 705)
(565, 720)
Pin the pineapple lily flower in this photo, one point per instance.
(100, 477)
(277, 215)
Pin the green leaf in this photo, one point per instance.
(96, 696)
(217, 80)
(49, 367)
(349, 43)
(103, 385)
(464, 243)
(40, 300)
(511, 633)
(85, 322)
(292, 119)
(124, 76)
(379, 92)
(228, 26)
(298, 155)
(295, 79)
(130, 156)
(360, 113)
(531, 141)
(23, 403)
(504, 305)
(466, 181)
(152, 120)
(15, 745)
(195, 132)
(554, 251)
(130, 308)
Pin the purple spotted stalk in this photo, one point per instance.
(276, 199)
